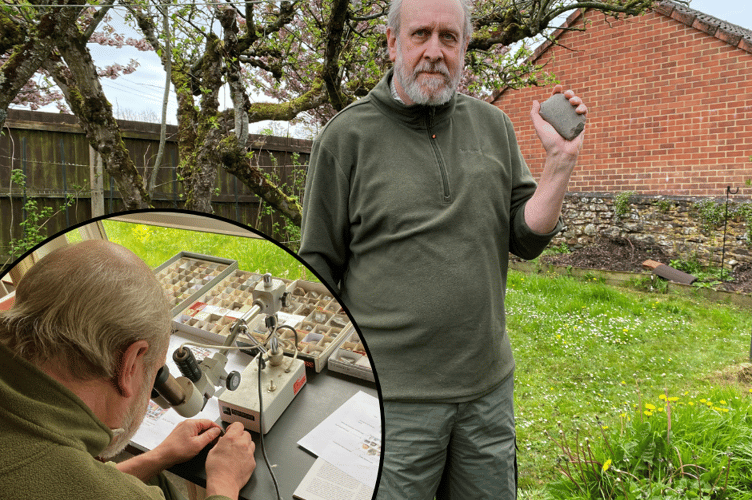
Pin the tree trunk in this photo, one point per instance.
(80, 85)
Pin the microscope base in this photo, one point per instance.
(242, 404)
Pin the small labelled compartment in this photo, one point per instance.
(320, 329)
(292, 306)
(333, 307)
(311, 344)
(319, 317)
(306, 327)
(339, 320)
(305, 310)
(325, 342)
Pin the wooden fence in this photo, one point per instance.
(53, 153)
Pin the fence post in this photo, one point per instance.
(174, 180)
(97, 183)
(65, 181)
(237, 201)
(23, 171)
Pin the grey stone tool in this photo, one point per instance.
(562, 115)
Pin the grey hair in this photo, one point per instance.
(81, 306)
(394, 19)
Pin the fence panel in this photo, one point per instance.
(52, 152)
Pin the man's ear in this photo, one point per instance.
(129, 377)
(391, 42)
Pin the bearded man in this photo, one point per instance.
(415, 195)
(79, 351)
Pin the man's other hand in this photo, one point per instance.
(554, 144)
(186, 440)
(230, 463)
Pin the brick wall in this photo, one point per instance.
(670, 107)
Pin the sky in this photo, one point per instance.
(140, 93)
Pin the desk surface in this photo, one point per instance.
(323, 393)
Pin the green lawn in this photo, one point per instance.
(586, 353)
(156, 245)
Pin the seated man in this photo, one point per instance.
(79, 351)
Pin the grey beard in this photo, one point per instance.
(438, 91)
(130, 424)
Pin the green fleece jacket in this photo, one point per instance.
(49, 439)
(410, 213)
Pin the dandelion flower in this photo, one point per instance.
(649, 406)
(607, 465)
(662, 396)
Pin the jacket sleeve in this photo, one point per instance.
(325, 228)
(523, 241)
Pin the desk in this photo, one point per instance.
(323, 393)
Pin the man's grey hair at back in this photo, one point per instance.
(394, 21)
(82, 313)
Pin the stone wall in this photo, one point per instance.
(675, 223)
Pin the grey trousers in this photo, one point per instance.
(451, 451)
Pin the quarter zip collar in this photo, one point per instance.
(416, 116)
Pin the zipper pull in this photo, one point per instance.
(431, 116)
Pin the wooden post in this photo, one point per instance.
(96, 172)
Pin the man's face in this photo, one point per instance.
(429, 51)
(135, 413)
(131, 420)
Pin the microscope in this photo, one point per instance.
(257, 397)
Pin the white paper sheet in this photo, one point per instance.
(350, 438)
